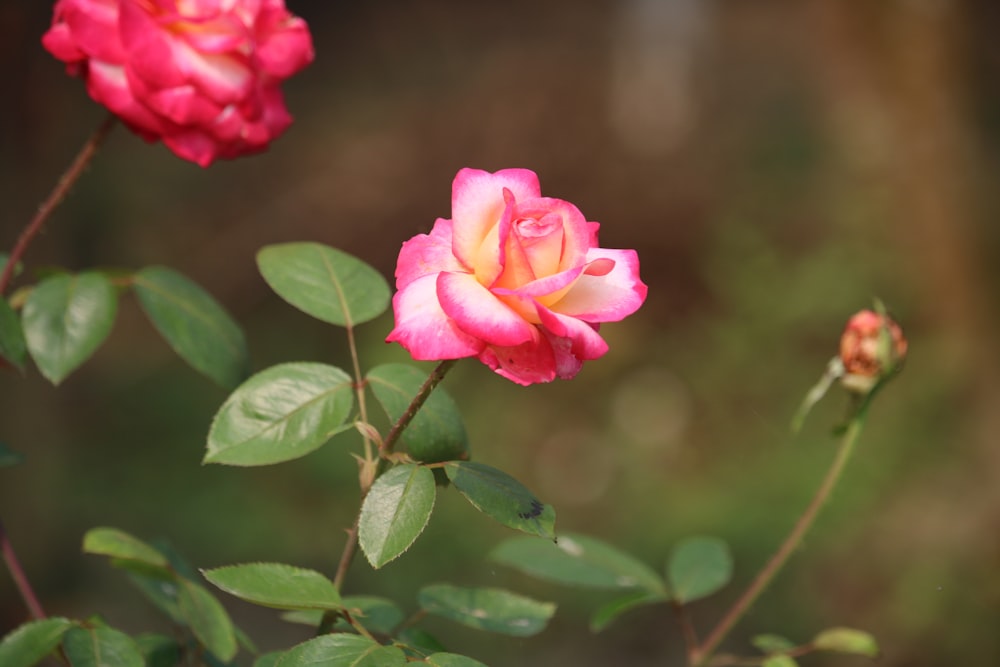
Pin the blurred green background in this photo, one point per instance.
(776, 164)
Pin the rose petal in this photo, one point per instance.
(586, 343)
(424, 329)
(477, 203)
(426, 253)
(529, 363)
(609, 297)
(479, 313)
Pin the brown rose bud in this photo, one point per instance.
(871, 347)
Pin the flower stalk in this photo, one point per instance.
(58, 194)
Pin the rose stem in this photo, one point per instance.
(20, 579)
(63, 185)
(700, 657)
(351, 546)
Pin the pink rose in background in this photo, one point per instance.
(514, 278)
(202, 75)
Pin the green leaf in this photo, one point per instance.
(490, 609)
(436, 432)
(452, 660)
(8, 457)
(779, 661)
(279, 414)
(26, 645)
(395, 512)
(604, 616)
(118, 544)
(193, 324)
(500, 496)
(159, 650)
(276, 585)
(418, 642)
(376, 614)
(847, 640)
(770, 643)
(207, 619)
(13, 347)
(578, 560)
(342, 650)
(324, 282)
(698, 567)
(161, 591)
(268, 659)
(101, 647)
(65, 319)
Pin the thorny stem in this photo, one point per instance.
(700, 657)
(66, 181)
(351, 545)
(20, 579)
(359, 389)
(432, 381)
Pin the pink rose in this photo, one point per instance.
(202, 75)
(513, 278)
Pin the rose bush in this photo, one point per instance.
(202, 75)
(513, 278)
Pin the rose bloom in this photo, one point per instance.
(860, 350)
(513, 278)
(202, 75)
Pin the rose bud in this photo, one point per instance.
(872, 347)
(204, 77)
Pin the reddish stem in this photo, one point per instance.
(20, 579)
(66, 181)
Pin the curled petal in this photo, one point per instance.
(531, 362)
(606, 298)
(477, 203)
(585, 342)
(480, 314)
(424, 329)
(426, 253)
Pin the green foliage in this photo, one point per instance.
(395, 512)
(118, 544)
(207, 619)
(276, 585)
(769, 643)
(26, 645)
(342, 650)
(279, 414)
(101, 646)
(490, 609)
(437, 432)
(159, 650)
(500, 496)
(607, 613)
(13, 347)
(324, 282)
(375, 613)
(268, 659)
(846, 640)
(193, 323)
(698, 567)
(451, 660)
(8, 457)
(578, 560)
(65, 319)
